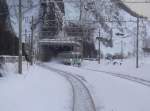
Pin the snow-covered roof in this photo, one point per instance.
(59, 42)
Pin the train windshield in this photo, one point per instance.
(70, 55)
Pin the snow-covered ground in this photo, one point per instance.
(40, 89)
(37, 89)
(127, 67)
(111, 93)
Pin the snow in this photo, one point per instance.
(110, 93)
(30, 8)
(37, 89)
(40, 89)
(72, 11)
(128, 67)
(82, 100)
(58, 41)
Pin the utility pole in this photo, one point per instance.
(137, 44)
(20, 39)
(32, 41)
(25, 36)
(122, 56)
(81, 6)
(82, 32)
(99, 46)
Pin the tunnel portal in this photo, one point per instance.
(49, 49)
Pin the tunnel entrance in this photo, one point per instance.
(47, 52)
(50, 48)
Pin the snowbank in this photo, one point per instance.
(36, 90)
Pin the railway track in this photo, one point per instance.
(82, 99)
(123, 76)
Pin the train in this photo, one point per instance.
(70, 58)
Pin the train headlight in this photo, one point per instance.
(70, 60)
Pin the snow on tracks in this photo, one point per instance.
(124, 76)
(82, 99)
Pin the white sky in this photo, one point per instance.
(140, 8)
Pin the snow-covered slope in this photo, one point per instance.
(111, 17)
(102, 11)
(29, 8)
(119, 21)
